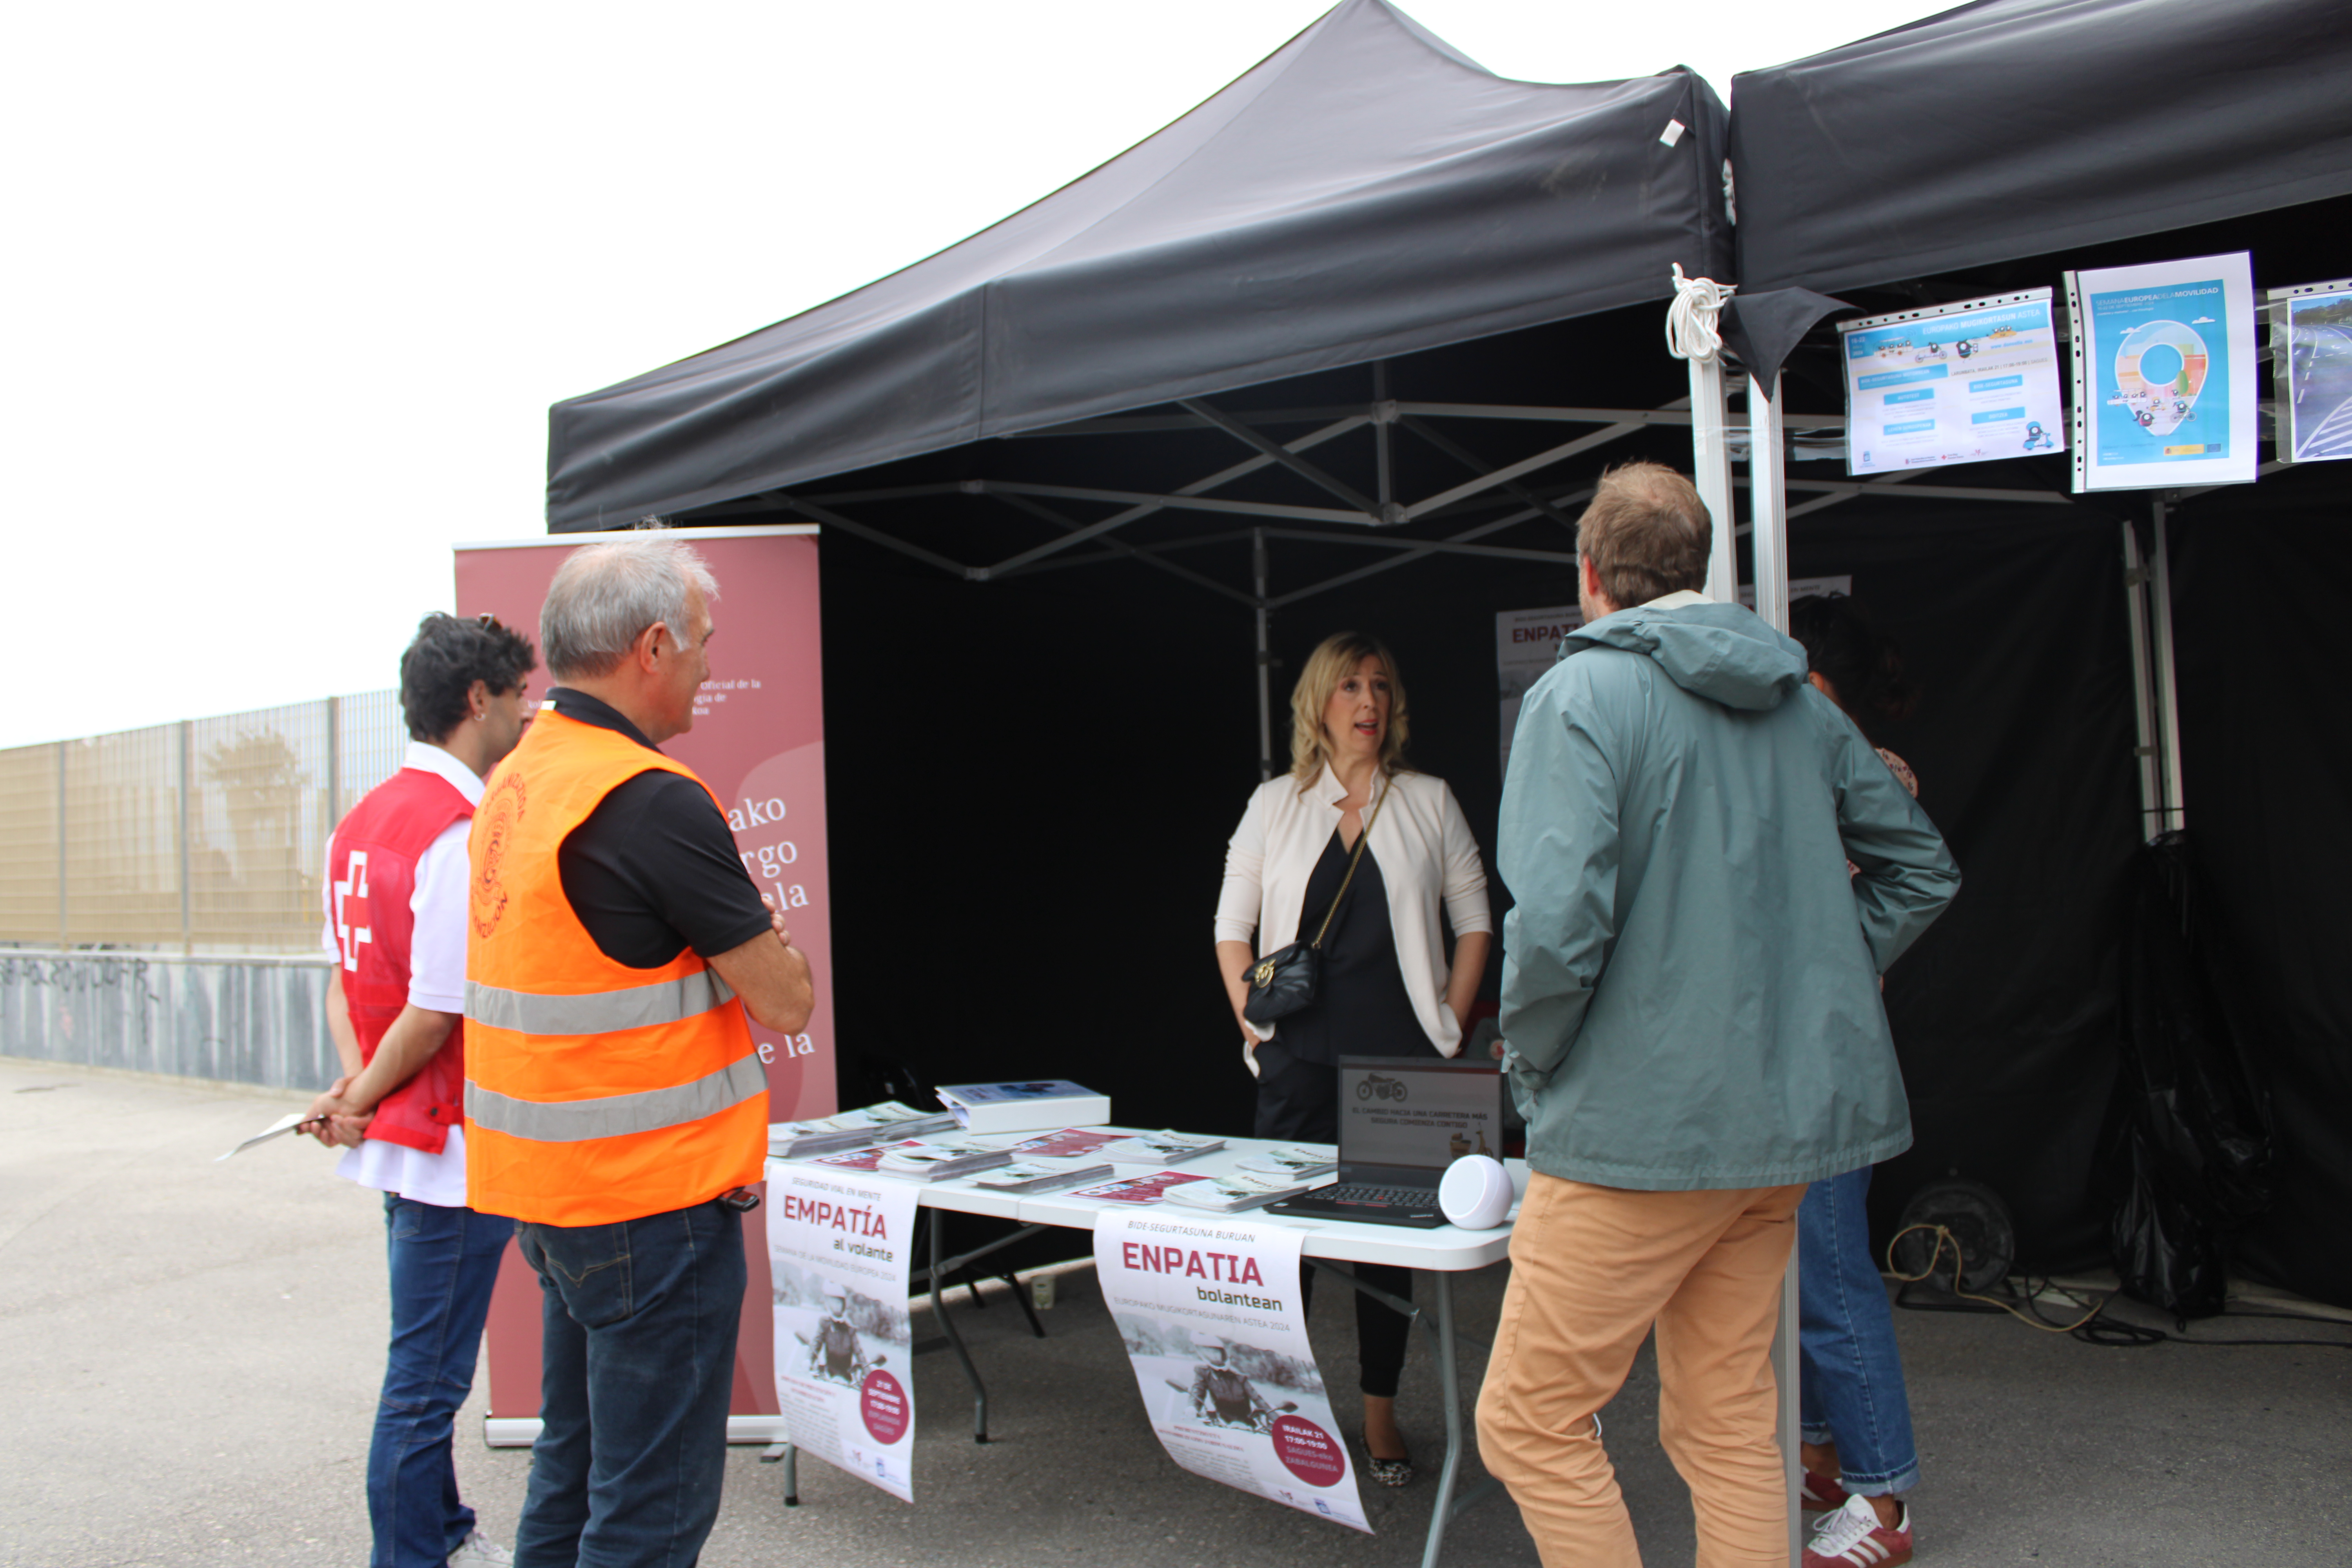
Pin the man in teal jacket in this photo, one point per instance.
(1692, 1022)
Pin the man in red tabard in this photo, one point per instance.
(396, 909)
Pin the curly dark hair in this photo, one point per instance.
(1862, 663)
(448, 656)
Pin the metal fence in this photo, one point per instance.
(208, 835)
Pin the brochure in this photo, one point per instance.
(1163, 1148)
(1070, 1143)
(1241, 1190)
(850, 1129)
(1137, 1189)
(1025, 1106)
(1298, 1159)
(1033, 1177)
(941, 1160)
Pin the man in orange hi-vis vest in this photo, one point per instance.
(616, 1105)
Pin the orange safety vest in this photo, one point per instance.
(594, 1092)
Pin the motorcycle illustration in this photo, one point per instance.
(1385, 1087)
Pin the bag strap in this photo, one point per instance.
(1362, 840)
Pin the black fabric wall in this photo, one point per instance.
(2259, 580)
(1031, 782)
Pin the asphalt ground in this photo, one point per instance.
(190, 1351)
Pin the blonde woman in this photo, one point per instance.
(1386, 988)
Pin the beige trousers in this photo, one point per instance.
(1592, 1270)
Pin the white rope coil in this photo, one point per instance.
(1690, 319)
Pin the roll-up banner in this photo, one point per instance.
(758, 741)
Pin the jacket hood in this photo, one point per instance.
(1723, 653)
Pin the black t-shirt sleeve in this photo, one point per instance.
(654, 871)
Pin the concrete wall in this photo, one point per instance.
(233, 1020)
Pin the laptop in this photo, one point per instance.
(1402, 1121)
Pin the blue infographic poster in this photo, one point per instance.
(2166, 393)
(1959, 384)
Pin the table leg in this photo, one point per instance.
(955, 1338)
(1449, 1382)
(1788, 1367)
(789, 1457)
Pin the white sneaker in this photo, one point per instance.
(479, 1551)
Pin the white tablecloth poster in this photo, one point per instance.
(1208, 1306)
(838, 1245)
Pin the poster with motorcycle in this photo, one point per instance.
(839, 1244)
(2164, 374)
(1209, 1309)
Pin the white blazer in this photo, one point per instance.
(1422, 843)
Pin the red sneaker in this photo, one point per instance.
(1820, 1494)
(1852, 1538)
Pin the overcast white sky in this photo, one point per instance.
(290, 286)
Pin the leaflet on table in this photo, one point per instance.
(1957, 384)
(1070, 1143)
(1210, 1311)
(1302, 1160)
(1241, 1190)
(1137, 1189)
(2164, 374)
(1163, 1148)
(868, 1159)
(941, 1159)
(790, 1140)
(838, 1247)
(1029, 1177)
(2311, 341)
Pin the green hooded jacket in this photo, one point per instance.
(1690, 979)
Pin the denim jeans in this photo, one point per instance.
(1852, 1389)
(444, 1262)
(637, 1361)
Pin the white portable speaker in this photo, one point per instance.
(1475, 1194)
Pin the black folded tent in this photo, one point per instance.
(1371, 250)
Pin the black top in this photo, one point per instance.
(654, 869)
(1361, 1008)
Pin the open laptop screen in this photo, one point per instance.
(1401, 1114)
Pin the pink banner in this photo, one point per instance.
(758, 742)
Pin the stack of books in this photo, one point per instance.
(1300, 1161)
(1160, 1149)
(854, 1128)
(1039, 1176)
(941, 1160)
(1025, 1107)
(1241, 1190)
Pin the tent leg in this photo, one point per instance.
(1383, 416)
(1768, 491)
(2151, 790)
(1711, 471)
(1264, 658)
(2167, 691)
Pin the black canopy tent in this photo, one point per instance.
(1994, 147)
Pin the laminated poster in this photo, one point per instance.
(1959, 384)
(2164, 374)
(1209, 1309)
(2314, 370)
(838, 1249)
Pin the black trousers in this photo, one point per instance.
(1299, 1102)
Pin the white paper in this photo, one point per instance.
(838, 1250)
(2164, 374)
(284, 1125)
(1967, 383)
(1251, 1410)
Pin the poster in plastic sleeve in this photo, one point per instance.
(1208, 1307)
(2164, 374)
(838, 1249)
(1526, 644)
(1954, 384)
(2311, 337)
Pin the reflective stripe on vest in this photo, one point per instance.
(615, 1115)
(597, 1012)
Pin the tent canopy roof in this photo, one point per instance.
(1363, 192)
(2014, 128)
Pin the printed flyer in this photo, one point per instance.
(2164, 376)
(1209, 1309)
(838, 1249)
(2314, 370)
(1960, 384)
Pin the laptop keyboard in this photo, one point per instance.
(1386, 1197)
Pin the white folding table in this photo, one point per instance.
(1442, 1252)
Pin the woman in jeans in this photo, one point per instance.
(1857, 1448)
(1386, 988)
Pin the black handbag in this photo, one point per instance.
(1285, 980)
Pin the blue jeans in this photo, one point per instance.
(1852, 1388)
(444, 1263)
(637, 1361)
